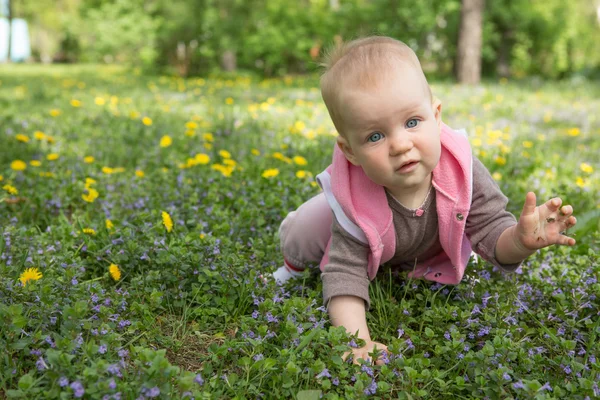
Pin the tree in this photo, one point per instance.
(470, 39)
(9, 18)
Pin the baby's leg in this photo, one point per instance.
(304, 235)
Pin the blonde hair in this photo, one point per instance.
(365, 62)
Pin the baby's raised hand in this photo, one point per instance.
(363, 352)
(545, 225)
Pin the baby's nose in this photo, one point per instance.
(400, 144)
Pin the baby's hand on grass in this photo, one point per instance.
(545, 225)
(363, 353)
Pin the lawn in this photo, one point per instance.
(137, 214)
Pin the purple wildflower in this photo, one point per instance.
(371, 389)
(546, 387)
(324, 374)
(518, 385)
(154, 392)
(63, 381)
(198, 379)
(41, 364)
(78, 390)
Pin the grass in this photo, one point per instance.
(104, 152)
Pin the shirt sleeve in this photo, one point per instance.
(346, 272)
(488, 216)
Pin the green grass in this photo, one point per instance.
(190, 315)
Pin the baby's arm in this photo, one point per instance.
(538, 227)
(349, 312)
(346, 288)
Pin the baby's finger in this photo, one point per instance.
(566, 241)
(363, 357)
(529, 206)
(345, 355)
(554, 204)
(566, 210)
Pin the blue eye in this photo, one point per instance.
(411, 123)
(375, 137)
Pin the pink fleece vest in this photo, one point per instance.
(361, 208)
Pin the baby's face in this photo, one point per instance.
(392, 131)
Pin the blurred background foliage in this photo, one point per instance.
(549, 38)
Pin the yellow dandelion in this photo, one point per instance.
(18, 165)
(35, 163)
(30, 274)
(114, 271)
(230, 162)
(582, 183)
(224, 154)
(202, 235)
(208, 146)
(147, 121)
(587, 168)
(500, 160)
(91, 196)
(55, 113)
(191, 125)
(10, 189)
(108, 170)
(108, 223)
(301, 174)
(89, 231)
(528, 144)
(88, 159)
(1, 178)
(208, 137)
(255, 152)
(99, 101)
(299, 125)
(139, 173)
(167, 221)
(190, 133)
(134, 115)
(270, 173)
(202, 158)
(224, 170)
(75, 103)
(573, 132)
(299, 160)
(52, 157)
(22, 138)
(497, 176)
(89, 182)
(229, 101)
(39, 135)
(166, 141)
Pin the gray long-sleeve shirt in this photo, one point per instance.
(417, 238)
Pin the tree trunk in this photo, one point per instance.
(503, 63)
(9, 19)
(470, 41)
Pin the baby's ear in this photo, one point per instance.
(437, 110)
(344, 145)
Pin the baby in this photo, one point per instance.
(403, 189)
